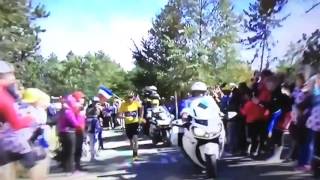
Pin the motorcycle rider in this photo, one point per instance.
(159, 119)
(198, 98)
(203, 135)
(150, 93)
(154, 104)
(198, 91)
(155, 108)
(150, 110)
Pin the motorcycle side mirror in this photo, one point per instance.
(172, 116)
(177, 122)
(174, 123)
(232, 114)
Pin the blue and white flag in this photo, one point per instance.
(104, 91)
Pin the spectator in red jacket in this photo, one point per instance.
(256, 122)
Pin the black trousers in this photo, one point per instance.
(316, 155)
(257, 135)
(131, 130)
(115, 122)
(68, 143)
(106, 122)
(236, 134)
(146, 127)
(317, 144)
(276, 138)
(78, 150)
(132, 134)
(242, 135)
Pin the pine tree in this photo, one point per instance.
(261, 19)
(19, 35)
(190, 40)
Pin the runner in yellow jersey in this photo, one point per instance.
(132, 112)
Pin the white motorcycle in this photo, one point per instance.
(203, 140)
(160, 126)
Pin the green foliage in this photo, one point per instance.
(19, 42)
(18, 32)
(311, 53)
(19, 36)
(84, 73)
(302, 56)
(190, 40)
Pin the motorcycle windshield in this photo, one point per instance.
(205, 108)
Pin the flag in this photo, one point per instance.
(104, 91)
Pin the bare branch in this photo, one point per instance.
(314, 6)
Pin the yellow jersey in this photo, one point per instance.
(130, 111)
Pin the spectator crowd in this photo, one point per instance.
(270, 109)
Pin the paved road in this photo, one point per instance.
(160, 163)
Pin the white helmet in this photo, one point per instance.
(199, 86)
(233, 85)
(153, 88)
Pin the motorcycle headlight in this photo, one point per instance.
(199, 132)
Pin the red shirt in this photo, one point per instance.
(253, 112)
(8, 112)
(264, 94)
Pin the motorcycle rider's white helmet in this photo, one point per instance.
(199, 86)
(153, 88)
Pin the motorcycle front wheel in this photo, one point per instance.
(211, 166)
(166, 137)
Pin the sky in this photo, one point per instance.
(84, 26)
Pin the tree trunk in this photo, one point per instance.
(176, 104)
(262, 55)
(200, 20)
